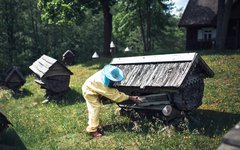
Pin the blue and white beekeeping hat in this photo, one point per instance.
(112, 73)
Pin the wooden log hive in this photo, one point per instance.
(14, 79)
(51, 75)
(68, 57)
(180, 76)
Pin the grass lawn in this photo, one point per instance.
(62, 125)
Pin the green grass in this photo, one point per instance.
(62, 125)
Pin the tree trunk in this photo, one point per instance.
(107, 27)
(34, 29)
(220, 14)
(224, 12)
(149, 24)
(142, 27)
(10, 21)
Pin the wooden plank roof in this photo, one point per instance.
(43, 65)
(200, 12)
(154, 58)
(169, 70)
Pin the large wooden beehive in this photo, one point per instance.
(176, 78)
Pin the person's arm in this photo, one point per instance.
(110, 93)
(113, 94)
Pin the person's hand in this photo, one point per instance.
(135, 99)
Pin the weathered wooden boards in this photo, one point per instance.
(161, 70)
(13, 79)
(51, 75)
(231, 140)
(155, 75)
(180, 76)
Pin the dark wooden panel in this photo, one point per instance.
(227, 147)
(57, 83)
(233, 136)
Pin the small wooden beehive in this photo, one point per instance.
(51, 74)
(170, 79)
(14, 78)
(68, 57)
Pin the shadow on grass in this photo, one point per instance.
(22, 93)
(215, 123)
(209, 123)
(10, 140)
(126, 127)
(140, 122)
(70, 98)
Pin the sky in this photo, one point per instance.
(179, 4)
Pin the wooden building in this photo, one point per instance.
(68, 57)
(171, 79)
(200, 20)
(51, 75)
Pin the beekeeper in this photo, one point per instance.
(98, 86)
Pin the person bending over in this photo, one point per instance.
(98, 86)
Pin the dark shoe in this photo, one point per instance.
(96, 134)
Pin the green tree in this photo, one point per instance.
(15, 36)
(74, 12)
(151, 19)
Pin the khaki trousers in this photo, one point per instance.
(94, 107)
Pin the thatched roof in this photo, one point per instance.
(169, 70)
(200, 12)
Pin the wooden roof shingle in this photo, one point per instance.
(44, 64)
(169, 70)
